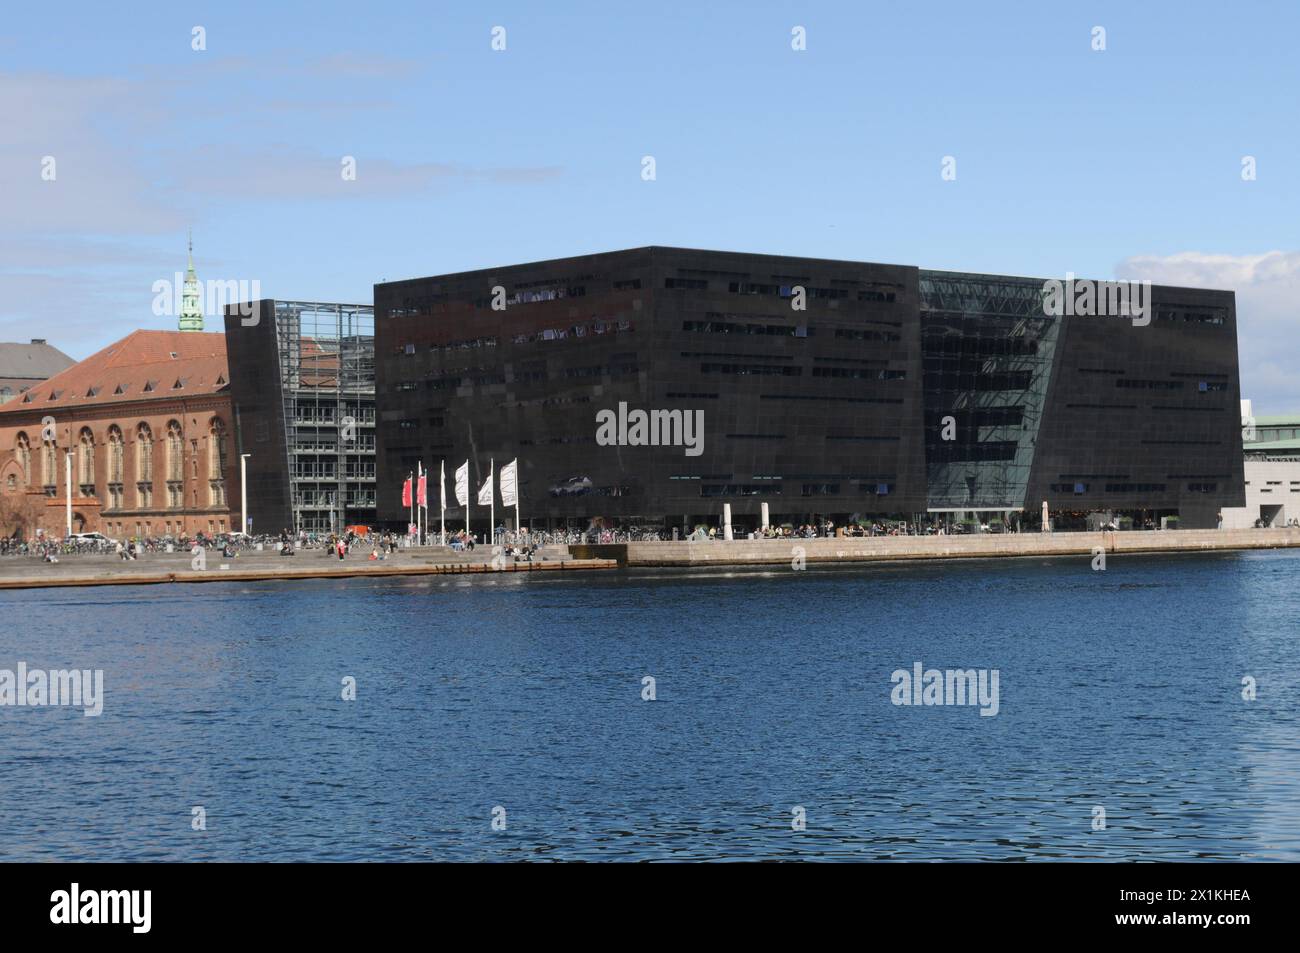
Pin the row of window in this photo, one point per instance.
(145, 528)
(53, 474)
(594, 328)
(1078, 489)
(1214, 316)
(782, 370)
(731, 327)
(777, 489)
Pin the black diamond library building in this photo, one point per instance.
(649, 387)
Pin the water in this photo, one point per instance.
(1119, 689)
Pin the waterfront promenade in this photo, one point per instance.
(156, 568)
(759, 552)
(24, 572)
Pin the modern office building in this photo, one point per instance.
(1271, 444)
(825, 389)
(302, 377)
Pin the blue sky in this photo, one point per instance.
(1121, 163)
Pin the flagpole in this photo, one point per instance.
(492, 504)
(516, 489)
(442, 503)
(410, 480)
(469, 495)
(419, 475)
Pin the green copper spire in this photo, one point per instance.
(191, 300)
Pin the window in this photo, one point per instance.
(1135, 384)
(820, 489)
(49, 466)
(217, 462)
(86, 461)
(144, 455)
(175, 452)
(23, 452)
(1078, 489)
(114, 454)
(750, 369)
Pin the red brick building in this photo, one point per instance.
(152, 440)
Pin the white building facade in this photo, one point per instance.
(1272, 448)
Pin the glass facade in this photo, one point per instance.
(327, 373)
(987, 351)
(302, 375)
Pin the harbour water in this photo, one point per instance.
(519, 699)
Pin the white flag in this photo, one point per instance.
(462, 483)
(485, 492)
(442, 484)
(509, 488)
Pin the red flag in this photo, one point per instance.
(424, 486)
(406, 492)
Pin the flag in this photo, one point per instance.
(509, 484)
(406, 492)
(462, 483)
(485, 492)
(423, 498)
(442, 485)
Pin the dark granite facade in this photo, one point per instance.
(832, 410)
(258, 397)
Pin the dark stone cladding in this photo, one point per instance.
(1154, 408)
(827, 399)
(256, 391)
(815, 412)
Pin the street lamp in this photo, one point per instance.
(243, 491)
(67, 469)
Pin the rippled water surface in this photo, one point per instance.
(1119, 689)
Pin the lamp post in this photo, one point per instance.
(67, 470)
(243, 491)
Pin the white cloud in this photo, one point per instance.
(138, 157)
(1268, 313)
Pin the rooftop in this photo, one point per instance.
(34, 361)
(142, 365)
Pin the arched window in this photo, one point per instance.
(175, 466)
(144, 454)
(175, 452)
(23, 451)
(50, 463)
(217, 451)
(144, 467)
(217, 462)
(115, 454)
(116, 494)
(86, 459)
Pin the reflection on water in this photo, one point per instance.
(1119, 689)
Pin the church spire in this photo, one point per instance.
(191, 299)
